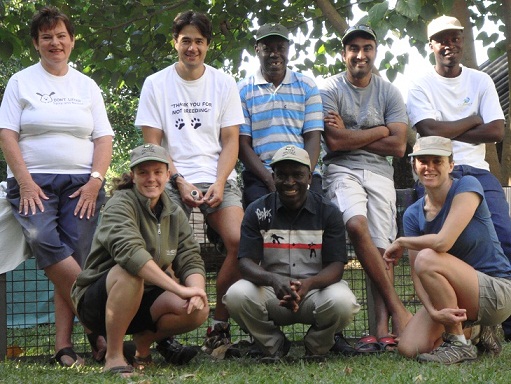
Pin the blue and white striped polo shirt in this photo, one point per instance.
(278, 116)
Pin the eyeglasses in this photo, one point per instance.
(360, 27)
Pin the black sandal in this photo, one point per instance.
(97, 354)
(68, 351)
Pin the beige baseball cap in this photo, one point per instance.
(292, 153)
(443, 23)
(148, 152)
(432, 145)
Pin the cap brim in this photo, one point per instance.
(350, 35)
(272, 34)
(430, 152)
(137, 162)
(293, 160)
(451, 28)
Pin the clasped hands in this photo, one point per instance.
(287, 292)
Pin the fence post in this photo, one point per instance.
(3, 318)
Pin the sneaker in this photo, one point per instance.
(342, 347)
(451, 351)
(312, 357)
(283, 350)
(174, 352)
(489, 341)
(218, 341)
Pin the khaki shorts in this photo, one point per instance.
(359, 192)
(232, 197)
(494, 299)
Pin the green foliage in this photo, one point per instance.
(121, 109)
(119, 44)
(7, 68)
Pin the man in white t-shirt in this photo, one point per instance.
(462, 104)
(194, 111)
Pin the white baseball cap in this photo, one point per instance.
(443, 23)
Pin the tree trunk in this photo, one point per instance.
(332, 15)
(460, 11)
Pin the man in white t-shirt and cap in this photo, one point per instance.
(462, 104)
(194, 111)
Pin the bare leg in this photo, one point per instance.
(62, 275)
(125, 293)
(171, 319)
(227, 222)
(449, 283)
(373, 264)
(124, 296)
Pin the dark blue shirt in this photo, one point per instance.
(478, 244)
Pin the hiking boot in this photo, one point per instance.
(283, 350)
(489, 341)
(174, 352)
(451, 351)
(218, 341)
(342, 347)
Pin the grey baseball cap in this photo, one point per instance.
(148, 152)
(272, 29)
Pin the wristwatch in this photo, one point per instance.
(96, 175)
(173, 179)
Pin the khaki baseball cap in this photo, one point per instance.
(292, 153)
(433, 146)
(272, 29)
(443, 23)
(148, 152)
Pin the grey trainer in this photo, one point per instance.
(451, 351)
(489, 341)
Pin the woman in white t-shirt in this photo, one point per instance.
(57, 141)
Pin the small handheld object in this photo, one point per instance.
(195, 194)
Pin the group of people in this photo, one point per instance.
(284, 236)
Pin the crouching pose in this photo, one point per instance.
(124, 287)
(459, 270)
(292, 255)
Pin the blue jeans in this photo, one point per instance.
(56, 233)
(496, 200)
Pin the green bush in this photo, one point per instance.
(121, 108)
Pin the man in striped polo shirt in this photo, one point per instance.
(281, 107)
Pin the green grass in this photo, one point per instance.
(382, 368)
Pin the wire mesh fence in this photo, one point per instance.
(29, 297)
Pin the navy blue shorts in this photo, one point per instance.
(56, 233)
(92, 307)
